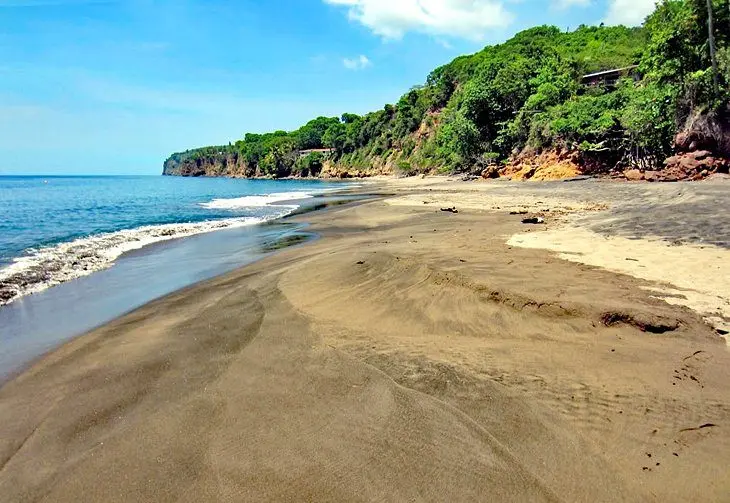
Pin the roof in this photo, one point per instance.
(609, 72)
(311, 150)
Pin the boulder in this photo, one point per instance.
(491, 172)
(633, 175)
(682, 140)
(705, 131)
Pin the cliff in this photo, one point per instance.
(210, 161)
(701, 149)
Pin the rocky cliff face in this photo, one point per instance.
(194, 164)
(224, 164)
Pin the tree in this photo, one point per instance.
(310, 135)
(335, 136)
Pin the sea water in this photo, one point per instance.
(54, 229)
(78, 251)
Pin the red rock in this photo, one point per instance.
(490, 172)
(699, 154)
(633, 175)
(689, 164)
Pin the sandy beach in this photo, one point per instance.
(409, 354)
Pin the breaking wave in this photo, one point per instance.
(257, 201)
(45, 267)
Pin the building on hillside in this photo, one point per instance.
(609, 78)
(324, 151)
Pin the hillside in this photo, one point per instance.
(512, 108)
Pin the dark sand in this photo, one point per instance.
(408, 355)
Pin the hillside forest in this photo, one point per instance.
(521, 100)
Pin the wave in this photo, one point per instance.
(258, 201)
(45, 267)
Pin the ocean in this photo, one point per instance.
(76, 252)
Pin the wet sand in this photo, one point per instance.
(409, 354)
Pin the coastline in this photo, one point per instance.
(44, 262)
(403, 355)
(35, 325)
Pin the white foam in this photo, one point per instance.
(256, 201)
(53, 265)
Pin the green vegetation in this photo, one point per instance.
(525, 96)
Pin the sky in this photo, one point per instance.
(115, 86)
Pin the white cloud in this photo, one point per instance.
(469, 19)
(359, 63)
(629, 12)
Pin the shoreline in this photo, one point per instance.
(405, 354)
(45, 304)
(41, 267)
(25, 366)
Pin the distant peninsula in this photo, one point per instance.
(649, 102)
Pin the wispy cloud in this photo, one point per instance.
(359, 63)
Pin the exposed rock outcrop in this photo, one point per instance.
(702, 151)
(548, 165)
(706, 131)
(695, 165)
(332, 169)
(212, 164)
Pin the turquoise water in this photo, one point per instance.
(56, 229)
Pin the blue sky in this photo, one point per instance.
(113, 87)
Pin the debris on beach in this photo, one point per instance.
(450, 210)
(533, 220)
